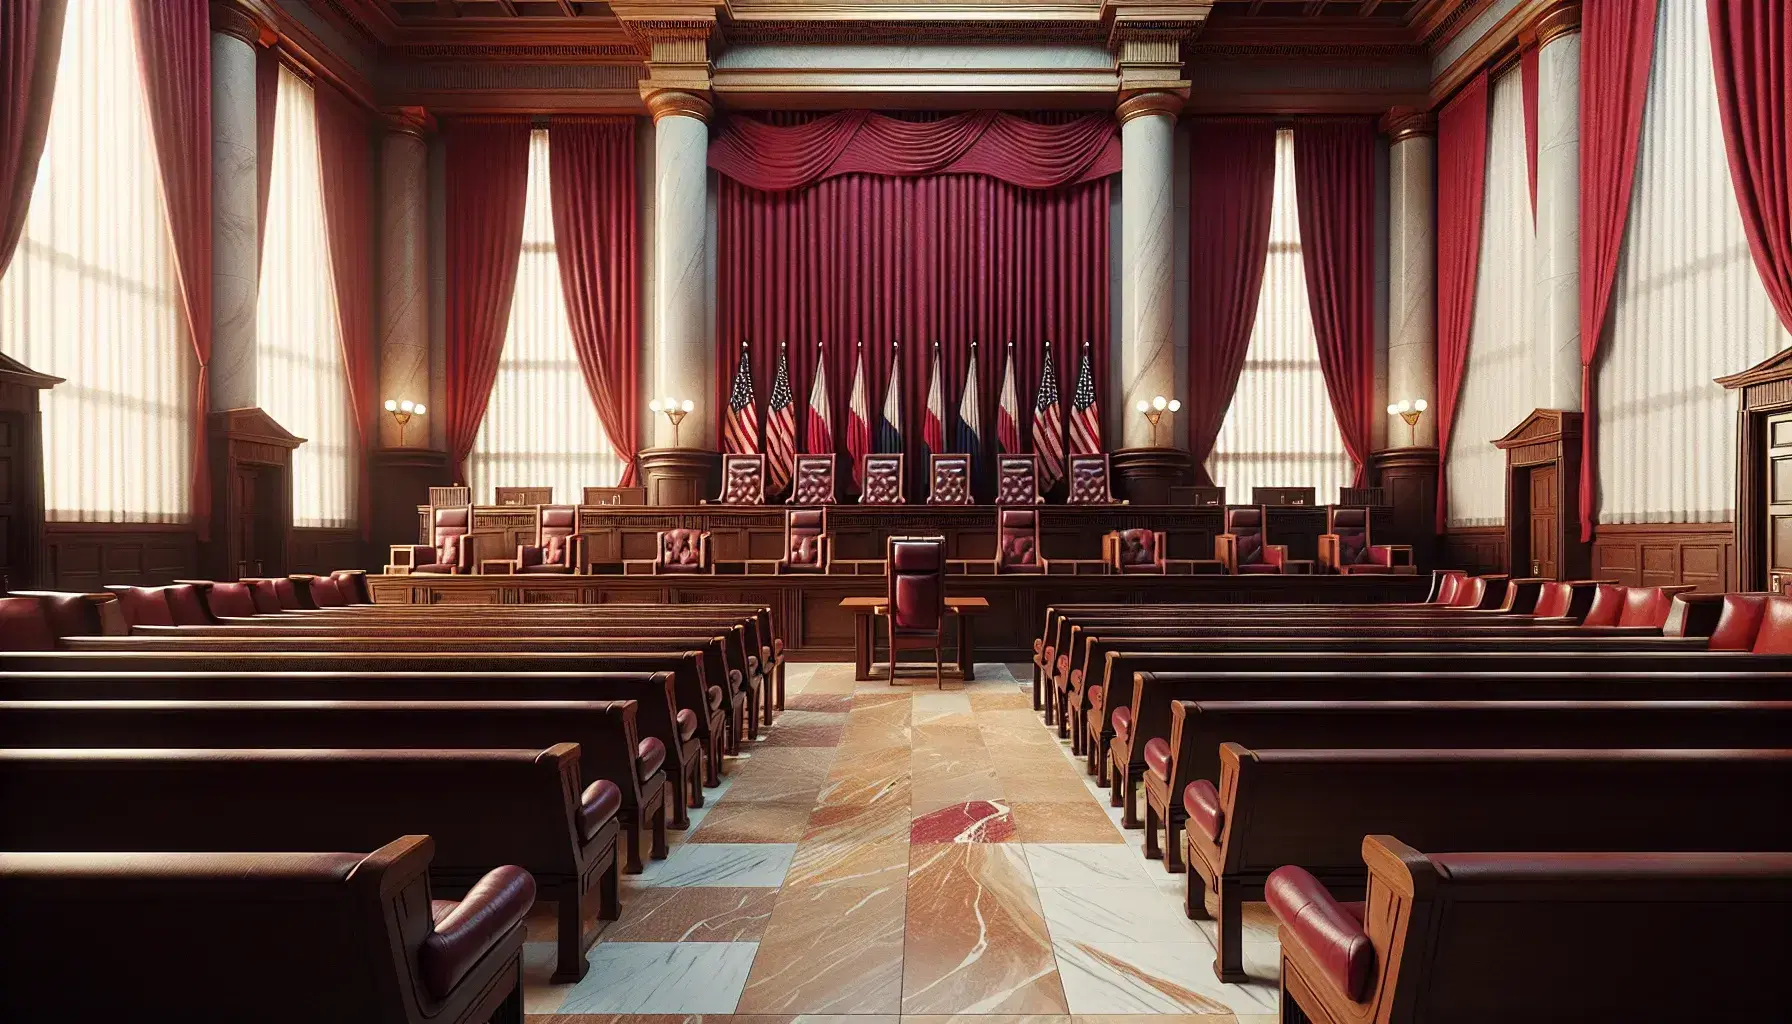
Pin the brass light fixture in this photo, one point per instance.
(1154, 410)
(402, 413)
(1409, 410)
(676, 410)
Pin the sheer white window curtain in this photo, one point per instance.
(92, 295)
(1280, 430)
(540, 427)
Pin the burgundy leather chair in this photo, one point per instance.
(1089, 481)
(916, 599)
(1017, 480)
(559, 548)
(450, 550)
(1135, 551)
(949, 480)
(814, 481)
(883, 480)
(682, 551)
(743, 480)
(1243, 549)
(1345, 548)
(805, 540)
(353, 584)
(1017, 541)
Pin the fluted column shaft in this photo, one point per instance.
(404, 272)
(235, 249)
(1558, 200)
(680, 298)
(1412, 274)
(1147, 269)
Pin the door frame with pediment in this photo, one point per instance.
(1762, 391)
(1547, 437)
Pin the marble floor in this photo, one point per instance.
(901, 853)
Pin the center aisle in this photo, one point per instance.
(886, 851)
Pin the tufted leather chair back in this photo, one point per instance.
(743, 480)
(950, 477)
(805, 528)
(1246, 523)
(554, 527)
(1017, 537)
(1017, 480)
(450, 528)
(883, 480)
(814, 480)
(1351, 526)
(1139, 550)
(681, 550)
(1089, 481)
(917, 595)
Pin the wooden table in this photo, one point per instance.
(866, 609)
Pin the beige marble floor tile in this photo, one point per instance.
(977, 941)
(693, 914)
(1016, 701)
(1160, 1018)
(985, 1018)
(1070, 821)
(867, 775)
(941, 789)
(755, 821)
(832, 950)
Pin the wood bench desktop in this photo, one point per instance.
(866, 609)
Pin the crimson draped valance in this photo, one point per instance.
(775, 158)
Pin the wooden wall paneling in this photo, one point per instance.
(1475, 549)
(1667, 554)
(323, 550)
(90, 556)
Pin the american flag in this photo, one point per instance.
(970, 417)
(933, 422)
(780, 428)
(1085, 413)
(1048, 425)
(818, 430)
(740, 432)
(1008, 414)
(858, 419)
(889, 423)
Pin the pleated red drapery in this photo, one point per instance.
(1461, 188)
(1751, 48)
(1334, 177)
(174, 50)
(592, 167)
(345, 146)
(1232, 188)
(30, 43)
(487, 189)
(876, 260)
(1617, 41)
(1016, 150)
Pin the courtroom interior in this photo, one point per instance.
(1052, 511)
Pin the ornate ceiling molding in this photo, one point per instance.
(1402, 123)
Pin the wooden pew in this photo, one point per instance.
(483, 808)
(280, 938)
(1489, 938)
(1311, 807)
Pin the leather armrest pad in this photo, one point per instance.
(496, 903)
(1202, 802)
(1329, 933)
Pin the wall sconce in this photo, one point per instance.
(402, 413)
(1409, 410)
(675, 411)
(1154, 410)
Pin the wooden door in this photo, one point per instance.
(1779, 502)
(246, 503)
(1545, 524)
(14, 535)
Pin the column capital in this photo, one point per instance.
(1149, 104)
(234, 18)
(1555, 20)
(1402, 123)
(677, 103)
(407, 120)
(1146, 39)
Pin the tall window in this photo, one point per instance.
(303, 384)
(1280, 430)
(540, 428)
(92, 293)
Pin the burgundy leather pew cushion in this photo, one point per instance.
(288, 594)
(1738, 622)
(715, 697)
(687, 723)
(232, 599)
(1608, 606)
(1645, 606)
(186, 607)
(1202, 802)
(650, 753)
(325, 593)
(1324, 928)
(1446, 592)
(1122, 722)
(1469, 592)
(1775, 635)
(1553, 600)
(496, 904)
(1157, 757)
(1094, 691)
(144, 606)
(597, 805)
(24, 626)
(353, 587)
(265, 595)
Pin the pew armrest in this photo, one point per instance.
(1327, 933)
(492, 909)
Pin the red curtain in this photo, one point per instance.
(1232, 184)
(1019, 151)
(1617, 41)
(345, 145)
(1461, 184)
(174, 49)
(487, 188)
(1334, 181)
(30, 45)
(1751, 47)
(1527, 77)
(267, 93)
(876, 260)
(592, 167)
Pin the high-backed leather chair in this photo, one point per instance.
(1135, 551)
(813, 481)
(1345, 547)
(1017, 540)
(883, 480)
(916, 608)
(513, 496)
(949, 480)
(1244, 548)
(743, 480)
(450, 550)
(1089, 477)
(805, 540)
(558, 548)
(1017, 480)
(682, 551)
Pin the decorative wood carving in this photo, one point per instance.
(1761, 390)
(251, 457)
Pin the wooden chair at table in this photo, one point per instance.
(1089, 481)
(450, 547)
(806, 540)
(915, 605)
(558, 547)
(1244, 548)
(1345, 548)
(1134, 551)
(949, 480)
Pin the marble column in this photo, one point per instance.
(680, 225)
(1412, 273)
(1147, 267)
(404, 271)
(1558, 199)
(236, 257)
